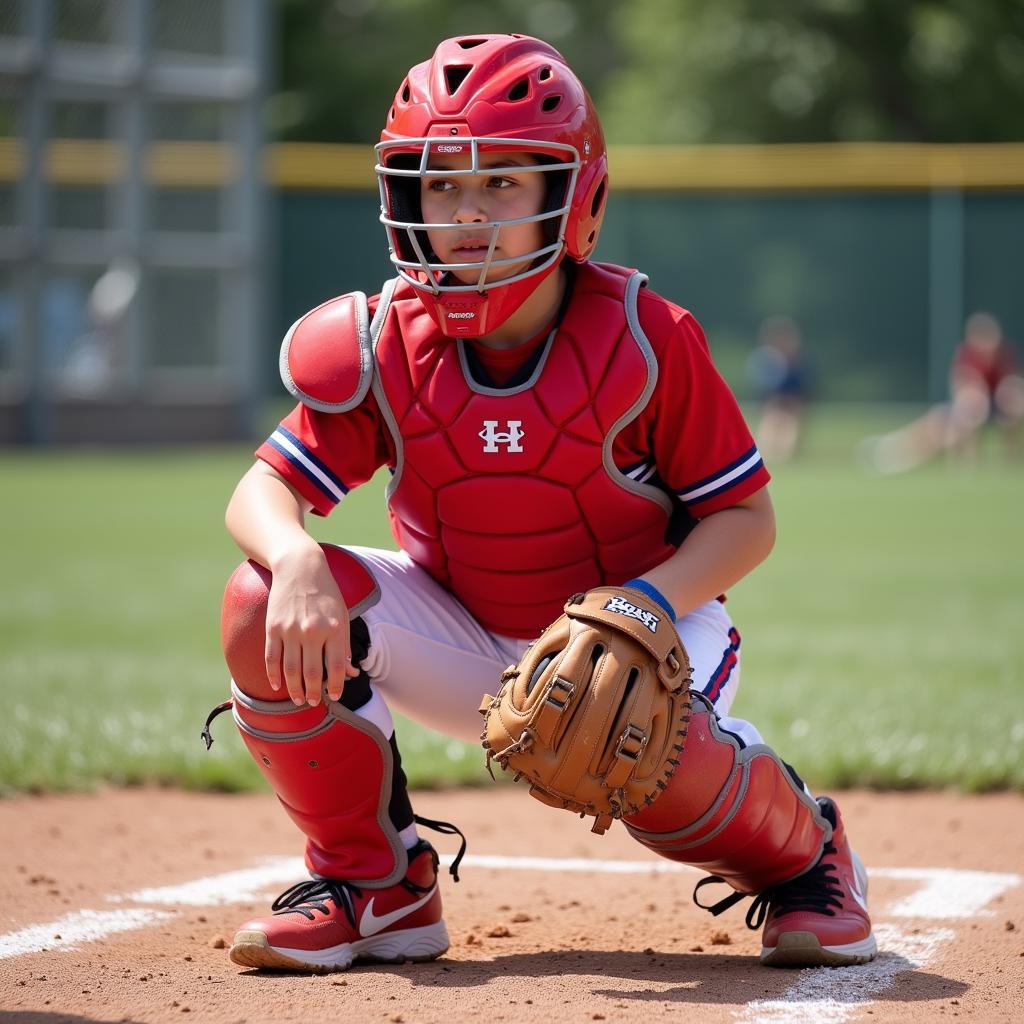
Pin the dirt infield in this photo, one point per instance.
(116, 907)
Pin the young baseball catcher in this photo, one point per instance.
(572, 489)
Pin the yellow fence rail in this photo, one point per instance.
(325, 167)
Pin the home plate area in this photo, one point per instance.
(120, 906)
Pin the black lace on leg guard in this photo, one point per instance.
(446, 828)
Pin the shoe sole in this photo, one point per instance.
(803, 949)
(417, 945)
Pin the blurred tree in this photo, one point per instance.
(341, 61)
(686, 70)
(816, 70)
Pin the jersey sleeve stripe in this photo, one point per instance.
(748, 463)
(304, 460)
(640, 471)
(319, 463)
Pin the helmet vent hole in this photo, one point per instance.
(545, 74)
(391, 115)
(595, 205)
(550, 102)
(519, 91)
(455, 76)
(468, 44)
(405, 92)
(590, 238)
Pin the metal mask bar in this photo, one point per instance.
(425, 145)
(433, 272)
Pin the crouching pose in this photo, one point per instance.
(552, 428)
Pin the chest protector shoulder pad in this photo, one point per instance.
(326, 356)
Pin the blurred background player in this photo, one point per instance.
(551, 425)
(778, 371)
(985, 386)
(97, 353)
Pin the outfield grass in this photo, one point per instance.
(883, 642)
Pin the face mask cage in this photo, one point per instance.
(401, 215)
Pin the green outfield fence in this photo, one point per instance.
(879, 251)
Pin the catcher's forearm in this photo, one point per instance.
(265, 517)
(717, 553)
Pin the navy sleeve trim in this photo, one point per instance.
(728, 476)
(285, 442)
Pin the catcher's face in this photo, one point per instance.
(474, 200)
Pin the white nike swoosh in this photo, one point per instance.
(370, 924)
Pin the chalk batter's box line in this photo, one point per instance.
(943, 893)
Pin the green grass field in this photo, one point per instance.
(883, 641)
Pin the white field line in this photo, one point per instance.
(835, 996)
(243, 886)
(216, 890)
(498, 862)
(947, 893)
(81, 926)
(832, 996)
(962, 893)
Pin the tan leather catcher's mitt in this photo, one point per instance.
(595, 714)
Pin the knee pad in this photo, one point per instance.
(734, 810)
(244, 616)
(332, 770)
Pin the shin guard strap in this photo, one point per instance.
(446, 828)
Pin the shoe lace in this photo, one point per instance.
(307, 897)
(817, 891)
(310, 896)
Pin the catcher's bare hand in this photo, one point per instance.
(307, 628)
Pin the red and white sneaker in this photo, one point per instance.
(326, 924)
(821, 918)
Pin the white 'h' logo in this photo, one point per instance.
(510, 438)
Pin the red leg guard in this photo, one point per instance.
(330, 768)
(733, 810)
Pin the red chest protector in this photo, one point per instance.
(509, 497)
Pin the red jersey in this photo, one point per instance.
(993, 366)
(678, 441)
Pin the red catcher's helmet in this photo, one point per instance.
(478, 94)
